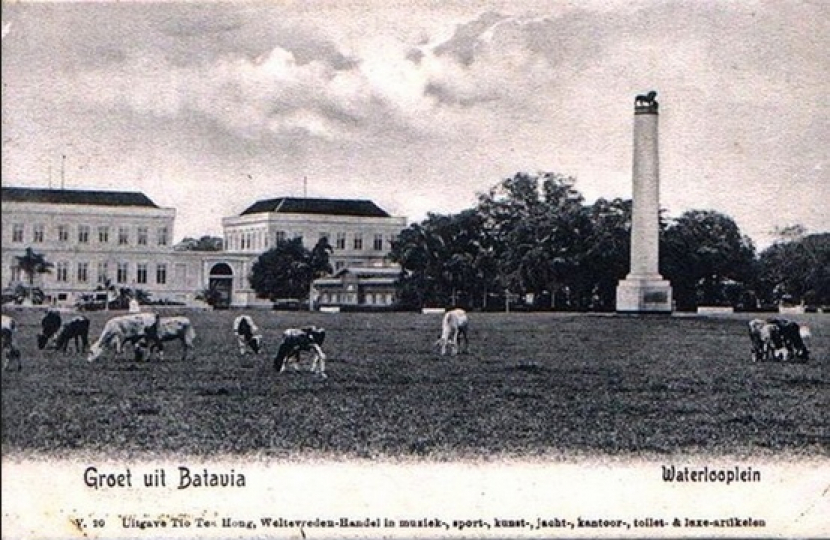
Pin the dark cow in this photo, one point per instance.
(12, 353)
(791, 335)
(119, 331)
(247, 334)
(296, 340)
(76, 329)
(49, 325)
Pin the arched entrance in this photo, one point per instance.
(220, 279)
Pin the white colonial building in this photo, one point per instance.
(124, 238)
(359, 231)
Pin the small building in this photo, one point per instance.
(359, 286)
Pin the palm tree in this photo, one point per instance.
(32, 263)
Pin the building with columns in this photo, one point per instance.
(124, 238)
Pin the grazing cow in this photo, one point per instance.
(767, 342)
(247, 334)
(50, 324)
(791, 334)
(171, 329)
(453, 327)
(78, 329)
(296, 340)
(9, 328)
(126, 329)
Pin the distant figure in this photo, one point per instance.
(646, 100)
(453, 326)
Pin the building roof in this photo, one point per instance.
(76, 196)
(331, 207)
(370, 271)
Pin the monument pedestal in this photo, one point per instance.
(644, 294)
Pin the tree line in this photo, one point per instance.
(532, 238)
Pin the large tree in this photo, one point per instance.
(288, 269)
(606, 261)
(796, 270)
(706, 258)
(441, 259)
(539, 229)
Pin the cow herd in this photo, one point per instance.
(778, 340)
(147, 332)
(773, 339)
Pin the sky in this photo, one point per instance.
(207, 107)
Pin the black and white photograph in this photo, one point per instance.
(531, 269)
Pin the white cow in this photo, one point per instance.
(171, 329)
(12, 353)
(247, 334)
(453, 327)
(126, 329)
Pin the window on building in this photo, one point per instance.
(141, 273)
(162, 236)
(17, 232)
(339, 265)
(358, 241)
(340, 241)
(123, 236)
(38, 233)
(63, 233)
(83, 234)
(62, 271)
(121, 274)
(279, 236)
(16, 273)
(103, 271)
(141, 236)
(104, 234)
(161, 273)
(378, 242)
(83, 272)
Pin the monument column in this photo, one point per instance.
(644, 290)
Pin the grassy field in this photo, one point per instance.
(532, 385)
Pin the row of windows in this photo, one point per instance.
(246, 240)
(80, 273)
(377, 299)
(84, 234)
